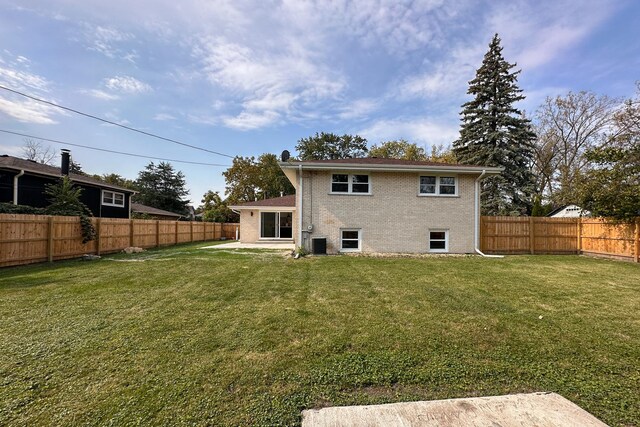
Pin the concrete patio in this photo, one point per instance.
(263, 245)
(517, 410)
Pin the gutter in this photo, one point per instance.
(393, 168)
(299, 207)
(15, 186)
(476, 237)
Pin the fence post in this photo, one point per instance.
(191, 229)
(98, 235)
(131, 230)
(579, 224)
(532, 236)
(157, 233)
(50, 240)
(637, 254)
(176, 233)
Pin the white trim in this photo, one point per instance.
(113, 197)
(446, 240)
(349, 183)
(456, 184)
(392, 168)
(359, 248)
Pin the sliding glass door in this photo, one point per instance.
(276, 225)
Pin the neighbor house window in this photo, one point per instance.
(438, 185)
(350, 240)
(350, 183)
(438, 241)
(111, 198)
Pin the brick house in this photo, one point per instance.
(372, 205)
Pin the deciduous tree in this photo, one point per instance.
(160, 186)
(400, 149)
(327, 146)
(612, 187)
(567, 127)
(249, 179)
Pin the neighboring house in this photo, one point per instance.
(154, 213)
(372, 205)
(568, 211)
(22, 182)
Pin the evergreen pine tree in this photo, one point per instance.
(495, 133)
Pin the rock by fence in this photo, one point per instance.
(26, 239)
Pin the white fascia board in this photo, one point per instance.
(264, 208)
(394, 168)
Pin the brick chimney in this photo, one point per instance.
(66, 160)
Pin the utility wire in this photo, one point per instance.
(110, 151)
(153, 135)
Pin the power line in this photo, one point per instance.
(110, 151)
(153, 135)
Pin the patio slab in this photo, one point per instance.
(265, 245)
(516, 410)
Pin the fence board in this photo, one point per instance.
(26, 239)
(541, 235)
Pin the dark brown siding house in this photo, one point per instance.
(23, 182)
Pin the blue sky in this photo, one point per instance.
(248, 77)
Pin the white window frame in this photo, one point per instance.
(437, 193)
(278, 213)
(446, 240)
(359, 248)
(113, 197)
(349, 183)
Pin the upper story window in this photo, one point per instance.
(350, 183)
(432, 185)
(111, 198)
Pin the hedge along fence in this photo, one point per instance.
(533, 235)
(26, 239)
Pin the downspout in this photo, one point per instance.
(237, 230)
(15, 187)
(299, 207)
(476, 237)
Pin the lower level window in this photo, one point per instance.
(350, 240)
(438, 241)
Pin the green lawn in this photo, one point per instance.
(190, 336)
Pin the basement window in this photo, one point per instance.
(111, 198)
(350, 240)
(438, 240)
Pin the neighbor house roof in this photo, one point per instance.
(140, 208)
(388, 164)
(276, 202)
(15, 163)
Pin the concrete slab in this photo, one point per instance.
(516, 410)
(265, 245)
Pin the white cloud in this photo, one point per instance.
(163, 117)
(27, 111)
(19, 79)
(272, 84)
(418, 130)
(248, 120)
(358, 109)
(101, 94)
(537, 33)
(105, 40)
(126, 84)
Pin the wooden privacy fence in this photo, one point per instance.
(541, 235)
(26, 239)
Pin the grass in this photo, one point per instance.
(190, 336)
